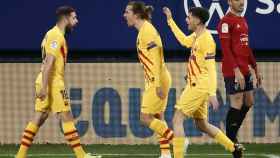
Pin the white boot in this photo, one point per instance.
(88, 155)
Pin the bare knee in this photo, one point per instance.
(201, 125)
(249, 99)
(178, 119)
(146, 118)
(65, 116)
(236, 100)
(40, 118)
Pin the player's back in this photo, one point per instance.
(54, 44)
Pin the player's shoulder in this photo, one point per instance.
(208, 40)
(54, 33)
(148, 32)
(226, 20)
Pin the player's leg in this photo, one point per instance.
(234, 113)
(151, 104)
(248, 100)
(214, 132)
(71, 133)
(164, 143)
(158, 126)
(41, 114)
(61, 106)
(179, 139)
(248, 103)
(30, 132)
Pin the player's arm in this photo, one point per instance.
(51, 49)
(149, 45)
(209, 56)
(225, 39)
(253, 64)
(48, 64)
(184, 40)
(212, 72)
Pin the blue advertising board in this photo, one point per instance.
(102, 26)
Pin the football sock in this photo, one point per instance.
(72, 136)
(27, 138)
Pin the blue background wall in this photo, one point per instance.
(102, 26)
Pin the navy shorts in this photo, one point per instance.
(232, 87)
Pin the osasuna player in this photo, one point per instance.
(157, 77)
(51, 95)
(238, 66)
(201, 82)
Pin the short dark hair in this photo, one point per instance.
(144, 11)
(200, 13)
(63, 11)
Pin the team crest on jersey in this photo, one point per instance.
(54, 45)
(224, 28)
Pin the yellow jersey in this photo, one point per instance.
(201, 66)
(55, 44)
(150, 54)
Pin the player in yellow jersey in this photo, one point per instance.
(157, 77)
(201, 82)
(51, 95)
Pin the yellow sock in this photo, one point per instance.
(179, 147)
(164, 145)
(161, 128)
(27, 138)
(222, 139)
(72, 136)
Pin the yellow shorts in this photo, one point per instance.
(193, 103)
(151, 103)
(57, 99)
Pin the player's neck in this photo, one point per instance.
(61, 27)
(139, 24)
(200, 30)
(235, 13)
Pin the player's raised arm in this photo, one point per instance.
(180, 36)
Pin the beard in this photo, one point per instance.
(68, 29)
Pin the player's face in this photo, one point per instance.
(72, 21)
(129, 16)
(237, 5)
(192, 22)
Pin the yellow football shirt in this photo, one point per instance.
(54, 43)
(150, 54)
(201, 66)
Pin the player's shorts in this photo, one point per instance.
(193, 102)
(232, 87)
(151, 103)
(56, 101)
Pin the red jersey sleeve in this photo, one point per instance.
(224, 31)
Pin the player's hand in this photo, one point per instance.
(213, 101)
(167, 12)
(239, 78)
(42, 94)
(160, 93)
(259, 80)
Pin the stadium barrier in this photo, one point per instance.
(105, 101)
